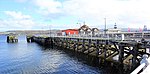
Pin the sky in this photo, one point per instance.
(71, 14)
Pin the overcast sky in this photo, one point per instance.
(63, 14)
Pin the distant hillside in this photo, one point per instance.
(33, 31)
(25, 32)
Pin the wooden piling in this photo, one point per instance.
(121, 57)
(121, 53)
(105, 49)
(97, 48)
(83, 45)
(134, 59)
(89, 45)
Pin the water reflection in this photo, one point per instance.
(30, 58)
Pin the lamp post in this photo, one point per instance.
(105, 30)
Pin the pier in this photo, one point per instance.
(12, 39)
(29, 38)
(126, 54)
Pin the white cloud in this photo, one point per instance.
(17, 15)
(124, 12)
(17, 20)
(128, 12)
(21, 1)
(48, 6)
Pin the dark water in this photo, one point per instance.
(30, 58)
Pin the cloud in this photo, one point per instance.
(17, 20)
(48, 6)
(22, 1)
(124, 12)
(113, 10)
(17, 15)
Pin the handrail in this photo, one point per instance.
(139, 68)
(144, 63)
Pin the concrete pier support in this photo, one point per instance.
(83, 45)
(77, 44)
(89, 45)
(12, 39)
(30, 39)
(51, 42)
(97, 47)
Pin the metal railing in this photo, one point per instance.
(139, 68)
(144, 63)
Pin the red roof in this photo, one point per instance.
(70, 30)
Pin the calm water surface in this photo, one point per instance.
(30, 58)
